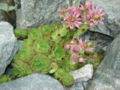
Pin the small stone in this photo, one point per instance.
(81, 77)
(83, 74)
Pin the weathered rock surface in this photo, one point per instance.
(107, 77)
(33, 82)
(7, 45)
(81, 77)
(83, 74)
(40, 12)
(101, 40)
(112, 22)
(1, 15)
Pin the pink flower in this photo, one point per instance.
(97, 15)
(74, 56)
(85, 9)
(82, 44)
(81, 60)
(67, 46)
(75, 10)
(76, 48)
(73, 21)
(85, 45)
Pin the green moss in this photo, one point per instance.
(20, 33)
(4, 78)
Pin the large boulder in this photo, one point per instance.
(33, 82)
(8, 45)
(40, 12)
(112, 21)
(107, 77)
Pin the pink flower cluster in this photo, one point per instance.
(87, 14)
(76, 49)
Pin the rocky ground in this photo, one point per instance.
(39, 12)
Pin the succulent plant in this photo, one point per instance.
(21, 34)
(43, 51)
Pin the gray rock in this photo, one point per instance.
(1, 15)
(40, 12)
(7, 45)
(83, 74)
(76, 86)
(33, 82)
(107, 77)
(81, 77)
(19, 44)
(101, 40)
(112, 22)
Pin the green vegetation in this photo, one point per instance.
(4, 78)
(43, 51)
(21, 34)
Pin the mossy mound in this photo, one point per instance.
(43, 51)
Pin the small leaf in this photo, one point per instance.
(53, 70)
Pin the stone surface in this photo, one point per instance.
(107, 77)
(7, 45)
(76, 86)
(112, 21)
(33, 82)
(18, 46)
(1, 15)
(81, 77)
(40, 12)
(101, 40)
(83, 74)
